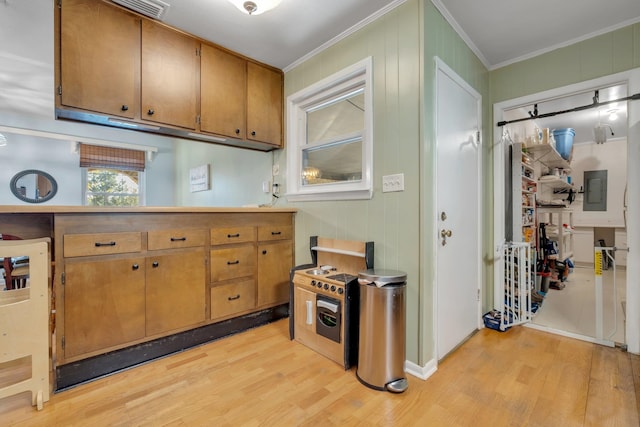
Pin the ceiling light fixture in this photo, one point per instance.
(255, 7)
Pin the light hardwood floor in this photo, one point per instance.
(522, 377)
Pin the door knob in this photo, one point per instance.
(444, 234)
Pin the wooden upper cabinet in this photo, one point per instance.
(223, 82)
(264, 104)
(99, 58)
(170, 71)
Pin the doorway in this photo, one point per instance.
(458, 209)
(500, 159)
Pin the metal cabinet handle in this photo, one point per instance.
(276, 233)
(124, 108)
(150, 112)
(135, 267)
(155, 264)
(309, 312)
(230, 236)
(178, 239)
(234, 298)
(98, 244)
(237, 131)
(264, 252)
(233, 262)
(253, 133)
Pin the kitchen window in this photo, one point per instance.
(330, 143)
(112, 176)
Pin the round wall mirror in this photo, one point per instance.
(33, 186)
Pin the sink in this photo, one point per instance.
(317, 272)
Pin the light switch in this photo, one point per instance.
(393, 183)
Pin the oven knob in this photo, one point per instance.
(333, 288)
(319, 285)
(340, 291)
(313, 283)
(326, 286)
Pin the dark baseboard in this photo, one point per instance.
(76, 373)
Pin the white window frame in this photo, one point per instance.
(298, 104)
(141, 187)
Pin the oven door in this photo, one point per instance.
(329, 317)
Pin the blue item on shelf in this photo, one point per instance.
(564, 141)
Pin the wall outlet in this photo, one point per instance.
(393, 183)
(275, 169)
(266, 187)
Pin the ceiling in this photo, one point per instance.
(498, 31)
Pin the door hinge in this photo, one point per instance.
(62, 342)
(198, 119)
(478, 294)
(198, 52)
(478, 136)
(60, 90)
(63, 278)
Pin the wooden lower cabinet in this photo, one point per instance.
(233, 298)
(104, 304)
(274, 264)
(175, 291)
(125, 279)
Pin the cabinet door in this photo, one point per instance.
(274, 263)
(264, 104)
(170, 67)
(103, 304)
(223, 78)
(175, 291)
(100, 58)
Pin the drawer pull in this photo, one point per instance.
(135, 267)
(264, 252)
(233, 262)
(98, 244)
(178, 239)
(276, 233)
(234, 298)
(155, 264)
(229, 236)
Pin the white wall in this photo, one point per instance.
(27, 102)
(610, 156)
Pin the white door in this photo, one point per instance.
(458, 190)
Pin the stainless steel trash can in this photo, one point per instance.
(381, 350)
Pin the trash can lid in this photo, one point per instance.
(381, 277)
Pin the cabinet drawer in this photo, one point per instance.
(101, 244)
(171, 239)
(233, 298)
(275, 232)
(230, 263)
(223, 236)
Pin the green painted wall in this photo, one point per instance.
(599, 56)
(402, 43)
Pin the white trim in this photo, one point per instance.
(359, 74)
(441, 66)
(422, 372)
(344, 34)
(65, 137)
(569, 334)
(632, 79)
(458, 29)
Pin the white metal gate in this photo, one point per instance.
(519, 276)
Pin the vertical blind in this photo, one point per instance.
(97, 156)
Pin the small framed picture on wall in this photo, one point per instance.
(199, 178)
